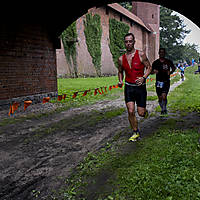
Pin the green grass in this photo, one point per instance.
(69, 86)
(81, 84)
(165, 166)
(187, 96)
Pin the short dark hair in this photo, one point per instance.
(162, 49)
(129, 34)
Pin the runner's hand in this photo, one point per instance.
(139, 81)
(155, 71)
(120, 84)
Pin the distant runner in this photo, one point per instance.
(198, 70)
(133, 63)
(182, 68)
(193, 62)
(163, 68)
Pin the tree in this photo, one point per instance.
(191, 51)
(172, 34)
(127, 5)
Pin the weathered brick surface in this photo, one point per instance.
(145, 40)
(150, 15)
(27, 61)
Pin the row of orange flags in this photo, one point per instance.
(100, 90)
(14, 106)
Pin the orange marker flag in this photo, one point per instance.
(110, 87)
(13, 108)
(95, 92)
(10, 111)
(105, 88)
(74, 95)
(64, 96)
(116, 86)
(102, 90)
(99, 91)
(46, 100)
(27, 104)
(113, 86)
(59, 97)
(86, 91)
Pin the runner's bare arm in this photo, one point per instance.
(173, 69)
(120, 72)
(154, 71)
(147, 65)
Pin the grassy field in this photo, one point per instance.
(163, 166)
(187, 97)
(69, 86)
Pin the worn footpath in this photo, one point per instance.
(37, 154)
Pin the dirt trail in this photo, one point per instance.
(36, 155)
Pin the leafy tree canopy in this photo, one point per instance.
(172, 34)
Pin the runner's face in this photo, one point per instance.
(129, 43)
(162, 53)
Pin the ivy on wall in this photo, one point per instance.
(69, 39)
(117, 31)
(93, 34)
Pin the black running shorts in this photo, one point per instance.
(163, 89)
(136, 94)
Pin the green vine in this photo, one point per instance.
(69, 39)
(117, 30)
(93, 33)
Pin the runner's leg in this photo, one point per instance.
(131, 115)
(164, 101)
(160, 101)
(141, 111)
(141, 100)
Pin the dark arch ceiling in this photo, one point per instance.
(59, 14)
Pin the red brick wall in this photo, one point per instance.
(27, 61)
(84, 60)
(150, 15)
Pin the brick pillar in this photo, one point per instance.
(27, 61)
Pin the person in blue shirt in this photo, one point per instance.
(192, 62)
(182, 68)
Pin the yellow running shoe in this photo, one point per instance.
(135, 136)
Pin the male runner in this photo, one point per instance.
(134, 62)
(182, 68)
(163, 68)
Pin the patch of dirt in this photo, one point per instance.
(37, 154)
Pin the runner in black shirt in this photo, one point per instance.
(163, 68)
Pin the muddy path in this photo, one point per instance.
(37, 154)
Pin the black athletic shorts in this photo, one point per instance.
(136, 94)
(162, 88)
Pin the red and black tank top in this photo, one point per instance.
(135, 70)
